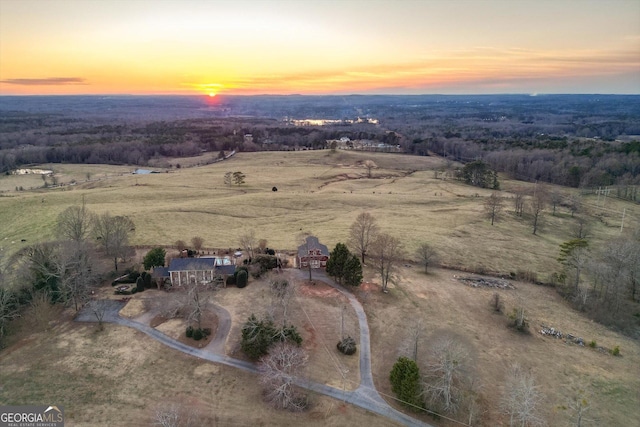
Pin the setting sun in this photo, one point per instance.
(212, 94)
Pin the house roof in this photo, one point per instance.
(160, 272)
(201, 264)
(190, 264)
(225, 269)
(312, 242)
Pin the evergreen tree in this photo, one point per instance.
(353, 271)
(338, 259)
(405, 381)
(154, 258)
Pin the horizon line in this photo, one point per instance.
(531, 94)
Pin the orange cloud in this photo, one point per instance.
(48, 81)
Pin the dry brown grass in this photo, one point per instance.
(315, 311)
(117, 377)
(444, 304)
(318, 191)
(75, 365)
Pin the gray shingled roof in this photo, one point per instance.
(160, 272)
(197, 264)
(312, 243)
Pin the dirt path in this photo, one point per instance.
(365, 396)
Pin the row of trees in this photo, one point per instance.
(612, 290)
(63, 271)
(386, 252)
(445, 382)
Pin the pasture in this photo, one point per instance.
(321, 192)
(123, 373)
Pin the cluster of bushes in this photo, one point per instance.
(262, 263)
(197, 333)
(240, 278)
(347, 346)
(142, 281)
(259, 335)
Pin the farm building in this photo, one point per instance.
(312, 252)
(199, 270)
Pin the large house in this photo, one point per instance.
(183, 271)
(313, 253)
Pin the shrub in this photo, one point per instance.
(405, 381)
(139, 284)
(257, 336)
(189, 332)
(197, 334)
(242, 278)
(291, 333)
(133, 290)
(231, 280)
(206, 331)
(519, 321)
(496, 303)
(527, 276)
(146, 279)
(347, 346)
(593, 344)
(133, 276)
(616, 351)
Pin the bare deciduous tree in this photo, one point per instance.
(248, 242)
(74, 223)
(196, 303)
(279, 370)
(427, 255)
(362, 232)
(74, 271)
(41, 311)
(581, 229)
(99, 309)
(387, 253)
(197, 242)
(448, 365)
(521, 398)
(282, 292)
(518, 201)
(369, 164)
(538, 204)
(180, 245)
(493, 207)
(8, 309)
(412, 342)
(113, 233)
(175, 415)
(575, 204)
(228, 178)
(304, 238)
(579, 405)
(555, 198)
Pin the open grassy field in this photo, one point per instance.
(118, 377)
(121, 374)
(443, 305)
(318, 191)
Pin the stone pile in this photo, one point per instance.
(568, 338)
(484, 282)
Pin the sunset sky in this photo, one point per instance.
(319, 47)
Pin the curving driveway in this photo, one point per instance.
(365, 396)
